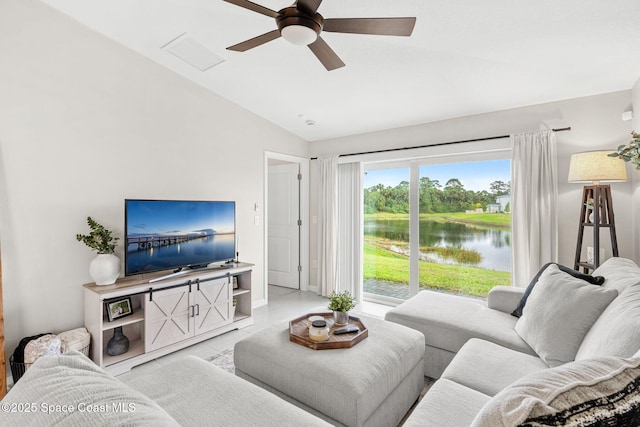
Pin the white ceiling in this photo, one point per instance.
(464, 57)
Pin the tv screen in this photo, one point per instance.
(172, 235)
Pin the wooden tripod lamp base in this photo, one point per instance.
(596, 208)
(596, 211)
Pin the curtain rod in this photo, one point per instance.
(439, 144)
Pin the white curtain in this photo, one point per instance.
(328, 225)
(350, 223)
(534, 203)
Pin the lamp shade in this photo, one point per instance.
(595, 167)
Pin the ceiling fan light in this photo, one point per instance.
(299, 35)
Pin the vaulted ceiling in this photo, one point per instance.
(463, 58)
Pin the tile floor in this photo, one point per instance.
(284, 304)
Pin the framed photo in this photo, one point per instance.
(117, 308)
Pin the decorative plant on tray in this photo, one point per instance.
(630, 152)
(105, 268)
(340, 303)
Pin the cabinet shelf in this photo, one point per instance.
(138, 316)
(239, 316)
(136, 348)
(239, 291)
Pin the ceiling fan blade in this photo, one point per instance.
(308, 6)
(325, 54)
(254, 7)
(256, 41)
(378, 26)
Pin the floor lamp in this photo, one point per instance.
(595, 167)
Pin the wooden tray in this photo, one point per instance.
(299, 333)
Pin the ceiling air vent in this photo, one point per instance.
(192, 52)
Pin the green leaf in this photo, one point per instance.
(99, 239)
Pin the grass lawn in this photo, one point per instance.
(388, 266)
(500, 220)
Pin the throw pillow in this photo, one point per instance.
(560, 311)
(594, 280)
(46, 345)
(617, 330)
(596, 392)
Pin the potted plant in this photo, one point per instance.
(341, 303)
(630, 152)
(105, 267)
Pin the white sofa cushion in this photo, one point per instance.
(447, 404)
(559, 312)
(604, 391)
(619, 273)
(617, 330)
(199, 394)
(488, 367)
(449, 321)
(71, 390)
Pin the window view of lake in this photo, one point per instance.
(493, 243)
(464, 234)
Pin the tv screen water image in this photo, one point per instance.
(170, 235)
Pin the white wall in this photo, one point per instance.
(86, 123)
(596, 124)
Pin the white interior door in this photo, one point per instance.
(284, 228)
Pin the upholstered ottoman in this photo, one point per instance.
(373, 383)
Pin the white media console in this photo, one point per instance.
(168, 314)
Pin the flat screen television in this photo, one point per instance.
(177, 234)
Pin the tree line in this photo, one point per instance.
(434, 198)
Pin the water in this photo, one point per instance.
(493, 243)
(194, 252)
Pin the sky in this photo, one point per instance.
(476, 176)
(158, 216)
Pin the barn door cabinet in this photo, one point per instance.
(167, 315)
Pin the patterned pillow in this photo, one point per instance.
(46, 345)
(75, 339)
(595, 392)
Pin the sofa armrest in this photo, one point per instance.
(504, 298)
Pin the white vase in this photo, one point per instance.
(105, 269)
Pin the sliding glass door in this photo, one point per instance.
(386, 233)
(438, 226)
(465, 227)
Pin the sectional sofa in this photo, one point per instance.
(571, 358)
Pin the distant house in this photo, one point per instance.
(493, 207)
(475, 211)
(503, 201)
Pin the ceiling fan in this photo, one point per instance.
(301, 24)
